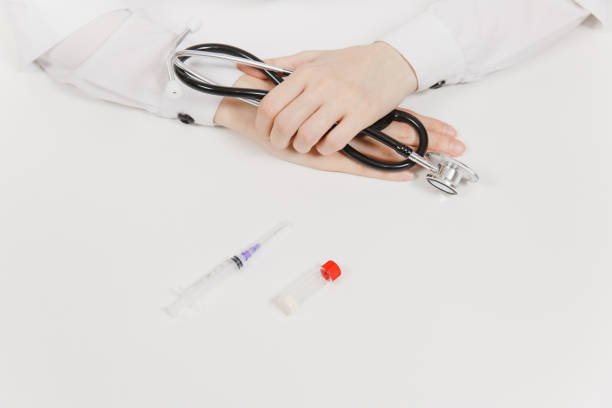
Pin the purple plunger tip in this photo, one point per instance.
(249, 252)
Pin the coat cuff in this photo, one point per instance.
(428, 45)
(202, 107)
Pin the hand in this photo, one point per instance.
(240, 117)
(353, 87)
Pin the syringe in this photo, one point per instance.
(189, 297)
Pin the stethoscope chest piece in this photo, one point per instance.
(450, 173)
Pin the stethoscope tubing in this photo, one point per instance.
(252, 96)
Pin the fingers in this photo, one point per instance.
(442, 136)
(446, 144)
(293, 61)
(434, 125)
(340, 163)
(338, 137)
(290, 62)
(315, 127)
(251, 71)
(438, 142)
(274, 102)
(241, 117)
(290, 119)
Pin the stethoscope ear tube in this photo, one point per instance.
(178, 69)
(223, 51)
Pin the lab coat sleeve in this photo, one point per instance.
(456, 41)
(38, 25)
(127, 65)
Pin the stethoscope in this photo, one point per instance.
(444, 172)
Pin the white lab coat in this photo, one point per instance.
(115, 49)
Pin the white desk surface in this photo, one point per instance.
(498, 298)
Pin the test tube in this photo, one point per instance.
(307, 284)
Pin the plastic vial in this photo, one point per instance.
(297, 292)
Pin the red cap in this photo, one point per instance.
(330, 271)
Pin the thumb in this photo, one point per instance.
(289, 62)
(293, 61)
(251, 71)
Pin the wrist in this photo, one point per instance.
(399, 66)
(232, 112)
(223, 113)
(228, 107)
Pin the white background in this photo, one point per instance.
(500, 297)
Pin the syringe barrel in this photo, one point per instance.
(190, 296)
(256, 245)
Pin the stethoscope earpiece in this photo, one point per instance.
(194, 25)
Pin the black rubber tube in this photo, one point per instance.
(375, 131)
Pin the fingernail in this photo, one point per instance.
(456, 147)
(449, 131)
